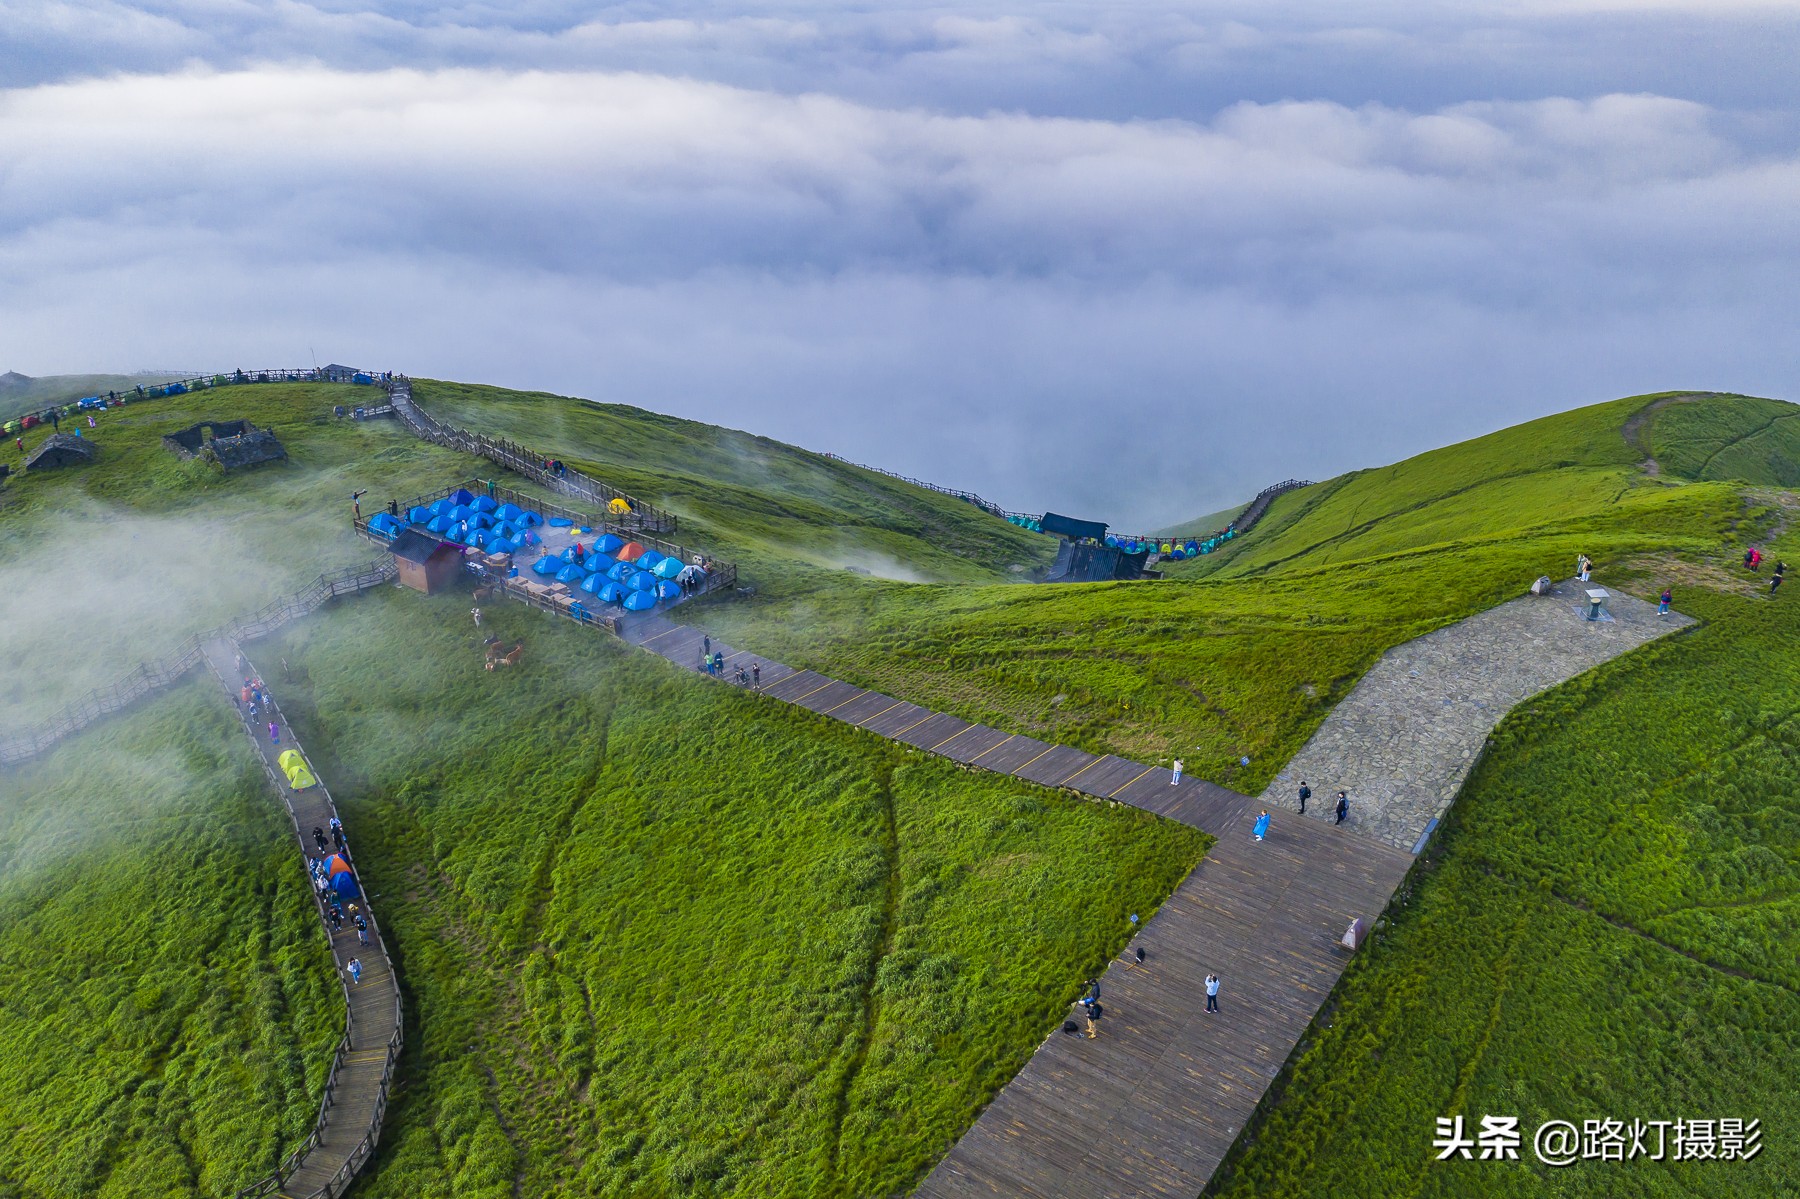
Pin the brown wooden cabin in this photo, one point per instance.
(426, 563)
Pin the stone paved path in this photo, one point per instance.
(1405, 739)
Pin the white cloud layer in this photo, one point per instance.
(1134, 319)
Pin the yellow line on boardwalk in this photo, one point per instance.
(814, 691)
(860, 694)
(1082, 771)
(953, 736)
(865, 720)
(990, 749)
(1034, 757)
(1122, 786)
(909, 728)
(671, 629)
(370, 1056)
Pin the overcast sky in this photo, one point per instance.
(1131, 260)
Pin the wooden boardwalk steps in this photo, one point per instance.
(350, 1113)
(1152, 1105)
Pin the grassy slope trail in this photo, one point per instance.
(356, 1098)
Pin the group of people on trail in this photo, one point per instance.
(713, 662)
(1753, 558)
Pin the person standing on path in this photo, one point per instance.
(1176, 777)
(1212, 992)
(756, 675)
(706, 645)
(1583, 567)
(319, 838)
(274, 734)
(355, 969)
(1663, 601)
(1262, 825)
(1305, 794)
(1343, 807)
(1094, 1012)
(362, 929)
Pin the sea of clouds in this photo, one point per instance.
(1131, 260)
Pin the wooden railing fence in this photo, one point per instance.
(642, 518)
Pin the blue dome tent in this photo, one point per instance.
(618, 572)
(668, 590)
(462, 495)
(601, 563)
(668, 568)
(419, 515)
(484, 504)
(610, 543)
(529, 520)
(593, 583)
(649, 560)
(501, 545)
(640, 601)
(344, 884)
(482, 520)
(612, 593)
(642, 580)
(440, 525)
(508, 511)
(548, 565)
(570, 573)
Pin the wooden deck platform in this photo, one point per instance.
(1151, 1106)
(355, 1100)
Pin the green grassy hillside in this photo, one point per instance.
(1607, 931)
(792, 518)
(664, 937)
(167, 1005)
(1757, 441)
(656, 936)
(1240, 654)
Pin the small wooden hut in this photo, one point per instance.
(425, 563)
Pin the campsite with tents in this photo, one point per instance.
(661, 936)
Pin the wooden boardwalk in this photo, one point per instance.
(1152, 1105)
(355, 1100)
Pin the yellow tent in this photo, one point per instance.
(618, 507)
(298, 776)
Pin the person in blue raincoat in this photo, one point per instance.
(1262, 825)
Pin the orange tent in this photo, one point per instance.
(336, 865)
(630, 552)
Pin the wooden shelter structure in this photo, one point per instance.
(231, 443)
(426, 563)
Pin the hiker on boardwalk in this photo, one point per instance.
(319, 839)
(1094, 1012)
(362, 928)
(1775, 583)
(1212, 992)
(1663, 601)
(1262, 825)
(337, 834)
(706, 645)
(336, 916)
(355, 969)
(1176, 776)
(719, 663)
(274, 734)
(756, 674)
(1343, 807)
(1305, 794)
